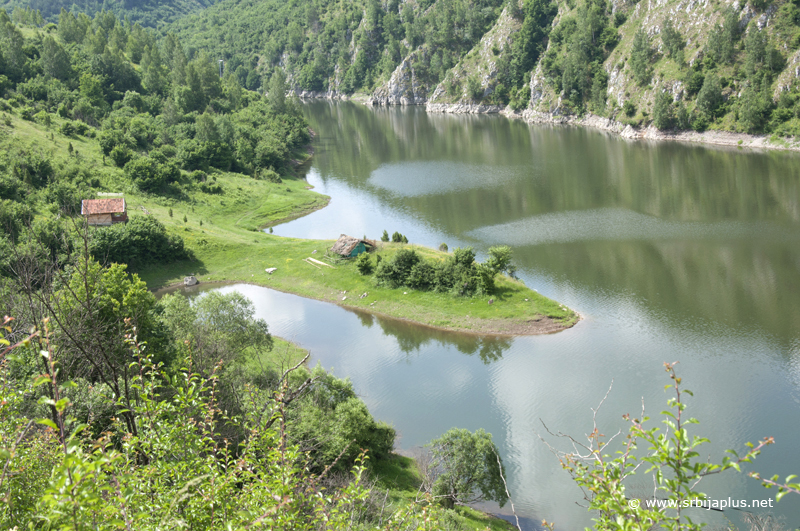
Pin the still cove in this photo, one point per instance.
(669, 252)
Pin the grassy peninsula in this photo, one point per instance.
(228, 247)
(222, 228)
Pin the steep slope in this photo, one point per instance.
(333, 47)
(148, 13)
(644, 68)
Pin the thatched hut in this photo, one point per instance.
(349, 246)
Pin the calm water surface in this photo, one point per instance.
(670, 252)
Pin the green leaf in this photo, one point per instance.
(47, 422)
(41, 380)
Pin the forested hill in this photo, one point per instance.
(149, 13)
(682, 64)
(341, 45)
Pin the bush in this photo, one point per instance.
(145, 173)
(385, 236)
(43, 117)
(443, 247)
(67, 129)
(364, 264)
(663, 115)
(121, 155)
(143, 240)
(421, 277)
(394, 272)
(520, 98)
(213, 189)
(474, 89)
(629, 108)
(271, 175)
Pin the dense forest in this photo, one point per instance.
(344, 46)
(150, 13)
(721, 67)
(122, 411)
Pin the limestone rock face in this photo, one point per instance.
(404, 86)
(463, 108)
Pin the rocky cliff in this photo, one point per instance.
(627, 105)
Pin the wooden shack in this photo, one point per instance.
(348, 246)
(104, 212)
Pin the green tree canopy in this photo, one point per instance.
(467, 468)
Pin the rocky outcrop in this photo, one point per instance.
(404, 86)
(721, 138)
(312, 95)
(463, 108)
(480, 63)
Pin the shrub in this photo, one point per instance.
(271, 175)
(121, 155)
(397, 237)
(143, 240)
(67, 129)
(663, 115)
(443, 247)
(674, 460)
(421, 277)
(474, 89)
(364, 264)
(213, 189)
(395, 271)
(43, 117)
(499, 259)
(629, 108)
(146, 174)
(385, 236)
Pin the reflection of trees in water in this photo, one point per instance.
(749, 285)
(412, 337)
(551, 169)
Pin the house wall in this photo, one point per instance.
(358, 249)
(99, 219)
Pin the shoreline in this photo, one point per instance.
(712, 137)
(548, 326)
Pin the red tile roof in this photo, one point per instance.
(102, 206)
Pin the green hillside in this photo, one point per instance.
(339, 45)
(148, 13)
(669, 65)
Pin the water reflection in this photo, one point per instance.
(694, 235)
(670, 251)
(413, 338)
(425, 381)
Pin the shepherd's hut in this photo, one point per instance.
(104, 212)
(349, 246)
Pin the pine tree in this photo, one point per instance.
(640, 57)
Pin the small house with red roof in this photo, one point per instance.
(104, 212)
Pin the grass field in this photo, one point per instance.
(223, 232)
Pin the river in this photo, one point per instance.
(670, 252)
